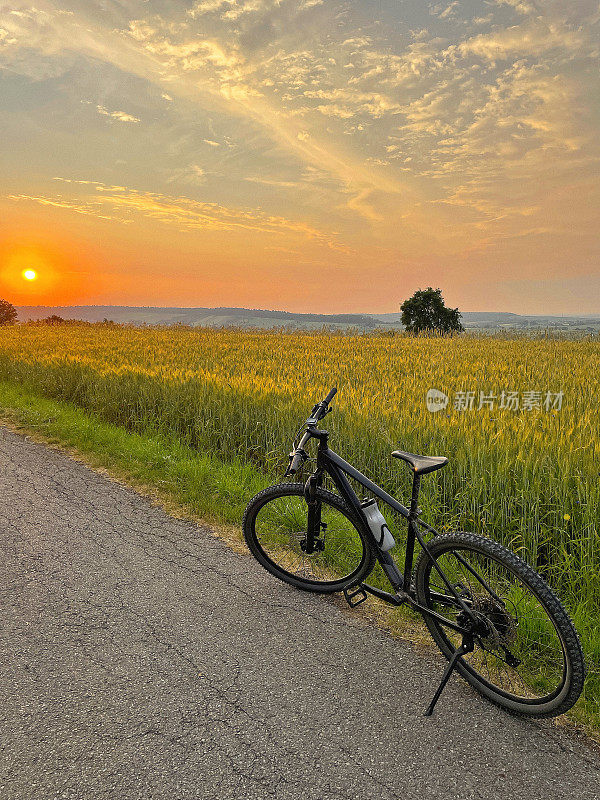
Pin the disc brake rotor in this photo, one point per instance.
(500, 627)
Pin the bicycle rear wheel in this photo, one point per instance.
(527, 655)
(275, 530)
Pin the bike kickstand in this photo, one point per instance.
(467, 646)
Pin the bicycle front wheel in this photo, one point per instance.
(527, 655)
(275, 530)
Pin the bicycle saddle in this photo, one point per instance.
(421, 464)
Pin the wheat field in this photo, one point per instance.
(528, 477)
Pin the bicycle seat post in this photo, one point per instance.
(412, 532)
(414, 500)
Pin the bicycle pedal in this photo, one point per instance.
(355, 595)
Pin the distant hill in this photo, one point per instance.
(500, 320)
(212, 317)
(471, 318)
(253, 318)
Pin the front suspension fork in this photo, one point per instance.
(313, 539)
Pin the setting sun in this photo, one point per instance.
(50, 273)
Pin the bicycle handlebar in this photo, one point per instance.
(321, 408)
(299, 456)
(330, 396)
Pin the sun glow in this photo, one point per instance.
(54, 273)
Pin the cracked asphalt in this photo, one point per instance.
(142, 658)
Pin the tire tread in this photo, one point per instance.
(544, 592)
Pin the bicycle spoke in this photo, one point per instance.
(281, 531)
(518, 649)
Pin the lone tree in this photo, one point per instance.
(8, 313)
(425, 312)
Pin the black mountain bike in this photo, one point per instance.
(493, 617)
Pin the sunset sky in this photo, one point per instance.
(308, 155)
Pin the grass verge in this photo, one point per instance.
(194, 486)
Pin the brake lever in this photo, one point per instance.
(315, 420)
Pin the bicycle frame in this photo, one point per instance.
(472, 624)
(337, 468)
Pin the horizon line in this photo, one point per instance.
(283, 311)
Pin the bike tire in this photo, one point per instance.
(348, 555)
(515, 620)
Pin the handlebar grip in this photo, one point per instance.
(331, 395)
(296, 462)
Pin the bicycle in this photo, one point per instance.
(497, 621)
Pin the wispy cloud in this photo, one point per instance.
(253, 89)
(191, 174)
(123, 203)
(86, 208)
(120, 116)
(529, 39)
(439, 131)
(273, 182)
(443, 12)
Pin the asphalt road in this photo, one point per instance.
(142, 658)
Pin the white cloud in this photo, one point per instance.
(6, 38)
(449, 11)
(530, 39)
(522, 6)
(192, 174)
(446, 107)
(234, 9)
(120, 116)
